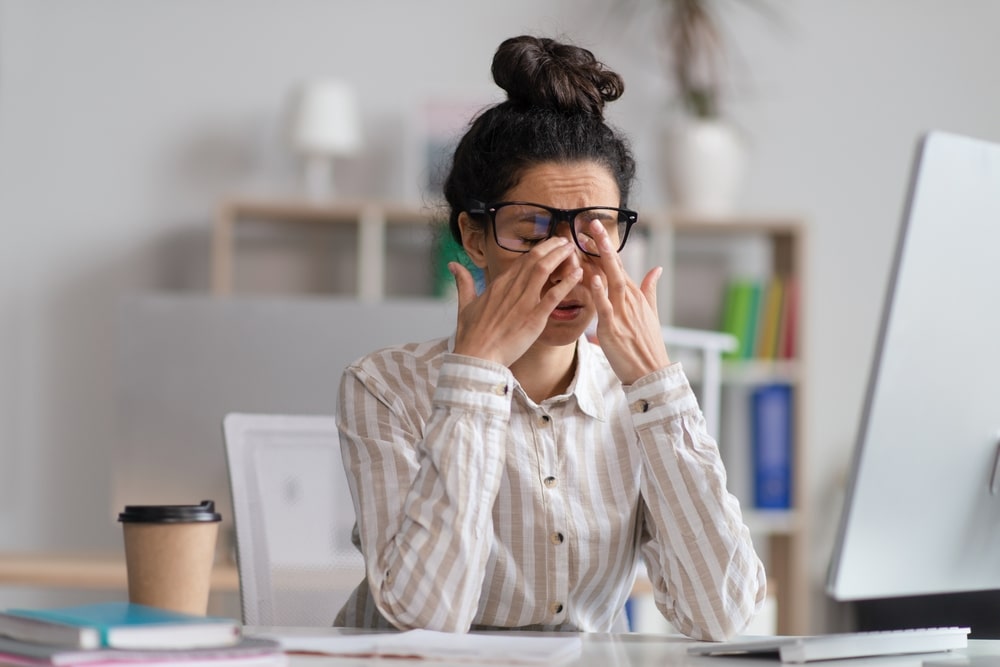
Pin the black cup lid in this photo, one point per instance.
(170, 513)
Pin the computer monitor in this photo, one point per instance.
(922, 508)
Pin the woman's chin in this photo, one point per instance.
(563, 332)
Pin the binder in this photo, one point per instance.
(771, 443)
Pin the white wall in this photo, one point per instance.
(122, 122)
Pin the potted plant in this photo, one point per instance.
(705, 156)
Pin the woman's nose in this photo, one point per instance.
(565, 268)
(563, 230)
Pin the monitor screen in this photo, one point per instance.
(922, 508)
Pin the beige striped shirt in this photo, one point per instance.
(478, 508)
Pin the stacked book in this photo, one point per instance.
(118, 634)
(763, 315)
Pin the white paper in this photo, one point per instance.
(428, 644)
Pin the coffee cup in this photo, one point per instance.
(169, 553)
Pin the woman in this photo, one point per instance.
(513, 475)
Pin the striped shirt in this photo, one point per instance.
(479, 509)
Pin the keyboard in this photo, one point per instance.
(843, 645)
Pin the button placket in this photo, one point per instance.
(549, 456)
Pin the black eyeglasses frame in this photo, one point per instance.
(567, 215)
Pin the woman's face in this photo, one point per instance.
(559, 185)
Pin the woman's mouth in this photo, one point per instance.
(567, 310)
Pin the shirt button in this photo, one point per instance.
(641, 406)
(500, 390)
(556, 538)
(550, 482)
(556, 607)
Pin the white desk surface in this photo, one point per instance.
(646, 650)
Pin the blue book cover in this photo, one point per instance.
(771, 438)
(121, 625)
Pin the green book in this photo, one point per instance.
(748, 342)
(738, 316)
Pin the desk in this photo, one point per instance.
(635, 650)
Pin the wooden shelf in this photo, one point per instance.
(696, 249)
(86, 571)
(370, 217)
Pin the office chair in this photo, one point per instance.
(294, 516)
(704, 368)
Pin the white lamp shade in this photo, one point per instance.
(327, 120)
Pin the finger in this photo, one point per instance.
(609, 260)
(602, 304)
(541, 263)
(464, 283)
(649, 284)
(554, 296)
(567, 267)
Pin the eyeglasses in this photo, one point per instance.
(520, 226)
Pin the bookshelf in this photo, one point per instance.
(369, 220)
(700, 256)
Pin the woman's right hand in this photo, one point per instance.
(505, 320)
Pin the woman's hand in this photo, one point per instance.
(505, 320)
(628, 326)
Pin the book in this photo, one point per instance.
(439, 646)
(788, 330)
(769, 321)
(247, 652)
(771, 444)
(118, 625)
(739, 316)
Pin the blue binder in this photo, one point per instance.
(771, 438)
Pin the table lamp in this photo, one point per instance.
(326, 124)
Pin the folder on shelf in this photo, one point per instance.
(771, 443)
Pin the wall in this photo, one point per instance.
(122, 122)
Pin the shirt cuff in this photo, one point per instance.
(470, 383)
(661, 396)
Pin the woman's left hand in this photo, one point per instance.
(628, 326)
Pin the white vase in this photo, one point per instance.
(705, 163)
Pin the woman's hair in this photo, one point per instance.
(554, 113)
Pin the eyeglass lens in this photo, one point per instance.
(520, 227)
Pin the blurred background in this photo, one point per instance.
(125, 123)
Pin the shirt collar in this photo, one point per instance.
(585, 384)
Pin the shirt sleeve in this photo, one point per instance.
(424, 501)
(707, 579)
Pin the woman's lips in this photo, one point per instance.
(567, 310)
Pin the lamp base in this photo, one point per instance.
(318, 175)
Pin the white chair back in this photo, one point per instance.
(294, 516)
(703, 369)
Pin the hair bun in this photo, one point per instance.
(541, 72)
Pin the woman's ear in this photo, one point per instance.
(473, 239)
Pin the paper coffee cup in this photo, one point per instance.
(169, 553)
